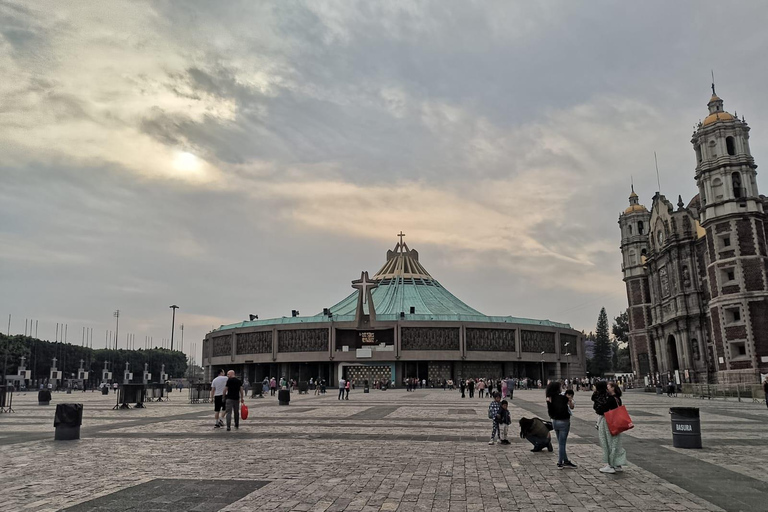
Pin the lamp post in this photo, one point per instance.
(117, 325)
(567, 373)
(543, 380)
(173, 323)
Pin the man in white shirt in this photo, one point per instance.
(217, 395)
(342, 385)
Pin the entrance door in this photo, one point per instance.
(672, 350)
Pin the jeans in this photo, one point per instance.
(561, 428)
(539, 443)
(341, 393)
(233, 406)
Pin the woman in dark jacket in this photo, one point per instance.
(607, 396)
(536, 432)
(557, 407)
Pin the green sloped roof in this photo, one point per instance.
(403, 283)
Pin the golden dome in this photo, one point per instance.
(717, 116)
(635, 208)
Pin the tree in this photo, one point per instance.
(620, 359)
(601, 358)
(620, 328)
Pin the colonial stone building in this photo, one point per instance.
(400, 323)
(696, 274)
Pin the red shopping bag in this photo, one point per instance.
(618, 420)
(244, 412)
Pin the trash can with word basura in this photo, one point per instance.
(284, 397)
(43, 397)
(686, 427)
(67, 421)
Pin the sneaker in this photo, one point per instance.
(221, 423)
(618, 469)
(569, 464)
(491, 442)
(607, 469)
(228, 429)
(536, 450)
(505, 441)
(559, 465)
(237, 427)
(217, 426)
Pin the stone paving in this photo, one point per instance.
(386, 450)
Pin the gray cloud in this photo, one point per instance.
(252, 158)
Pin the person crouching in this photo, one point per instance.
(536, 432)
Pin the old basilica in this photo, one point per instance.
(696, 274)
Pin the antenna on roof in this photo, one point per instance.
(632, 182)
(713, 83)
(656, 161)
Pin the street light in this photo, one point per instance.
(542, 368)
(567, 373)
(116, 314)
(173, 322)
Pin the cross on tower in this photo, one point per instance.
(401, 235)
(81, 364)
(364, 284)
(54, 362)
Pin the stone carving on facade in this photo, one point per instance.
(686, 277)
(571, 340)
(254, 343)
(491, 340)
(429, 338)
(302, 340)
(222, 345)
(664, 279)
(537, 341)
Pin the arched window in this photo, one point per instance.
(730, 145)
(736, 182)
(639, 227)
(630, 228)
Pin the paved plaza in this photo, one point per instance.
(386, 450)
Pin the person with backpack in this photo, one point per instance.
(607, 396)
(493, 414)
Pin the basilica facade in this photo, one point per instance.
(696, 274)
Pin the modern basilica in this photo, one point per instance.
(400, 323)
(697, 274)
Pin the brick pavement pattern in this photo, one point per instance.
(386, 450)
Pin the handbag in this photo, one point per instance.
(244, 412)
(618, 420)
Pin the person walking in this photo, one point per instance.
(765, 389)
(557, 408)
(493, 414)
(217, 397)
(480, 388)
(347, 387)
(462, 386)
(272, 386)
(342, 387)
(233, 393)
(504, 388)
(607, 396)
(471, 386)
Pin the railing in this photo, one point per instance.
(738, 392)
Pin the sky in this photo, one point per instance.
(240, 158)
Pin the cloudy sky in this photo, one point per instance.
(254, 157)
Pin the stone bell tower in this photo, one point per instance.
(732, 214)
(634, 224)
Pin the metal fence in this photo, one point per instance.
(737, 392)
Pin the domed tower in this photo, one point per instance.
(732, 214)
(634, 224)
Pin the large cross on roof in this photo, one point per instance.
(364, 284)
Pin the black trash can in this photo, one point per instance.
(43, 397)
(105, 390)
(686, 427)
(303, 387)
(284, 397)
(67, 421)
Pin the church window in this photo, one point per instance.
(630, 228)
(726, 241)
(727, 275)
(698, 153)
(640, 227)
(730, 145)
(733, 315)
(738, 350)
(736, 181)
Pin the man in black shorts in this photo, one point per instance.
(234, 396)
(217, 396)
